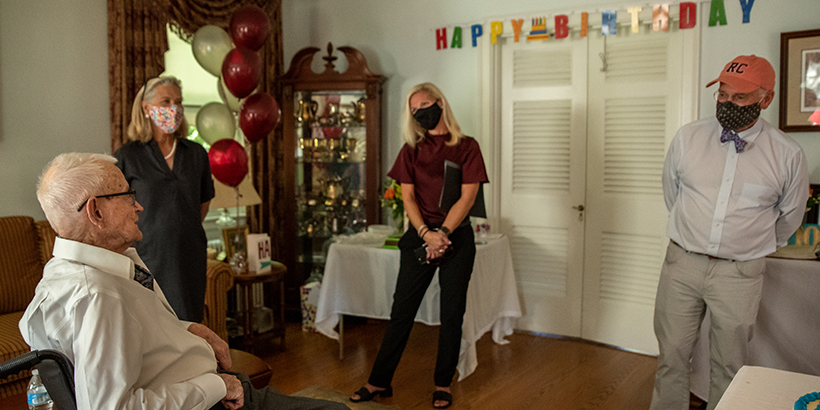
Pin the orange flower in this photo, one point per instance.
(390, 193)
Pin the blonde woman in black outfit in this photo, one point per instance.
(432, 137)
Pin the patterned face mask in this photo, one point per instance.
(168, 119)
(734, 117)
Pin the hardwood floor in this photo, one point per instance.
(532, 372)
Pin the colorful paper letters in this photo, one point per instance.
(540, 30)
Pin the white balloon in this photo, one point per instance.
(214, 122)
(235, 104)
(210, 45)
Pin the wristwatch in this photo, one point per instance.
(445, 230)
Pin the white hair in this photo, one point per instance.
(67, 181)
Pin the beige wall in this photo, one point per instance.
(53, 91)
(54, 66)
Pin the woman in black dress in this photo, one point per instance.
(172, 177)
(432, 137)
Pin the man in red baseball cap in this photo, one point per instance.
(736, 188)
(746, 87)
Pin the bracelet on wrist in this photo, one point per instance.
(425, 233)
(445, 230)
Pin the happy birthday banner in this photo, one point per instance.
(560, 28)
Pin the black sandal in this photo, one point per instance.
(441, 395)
(366, 395)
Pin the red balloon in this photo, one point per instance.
(241, 71)
(259, 116)
(250, 27)
(229, 162)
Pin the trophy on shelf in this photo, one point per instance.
(360, 110)
(347, 114)
(306, 112)
(331, 117)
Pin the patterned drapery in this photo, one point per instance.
(132, 57)
(137, 43)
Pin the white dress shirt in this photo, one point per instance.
(128, 348)
(734, 205)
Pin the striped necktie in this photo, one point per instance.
(143, 277)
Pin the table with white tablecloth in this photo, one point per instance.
(787, 327)
(761, 388)
(359, 280)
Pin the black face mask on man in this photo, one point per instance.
(428, 117)
(734, 117)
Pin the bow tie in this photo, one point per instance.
(729, 135)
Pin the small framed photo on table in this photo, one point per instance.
(234, 243)
(800, 81)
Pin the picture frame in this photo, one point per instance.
(800, 81)
(229, 236)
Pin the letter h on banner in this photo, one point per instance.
(441, 38)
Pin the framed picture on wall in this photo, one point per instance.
(800, 81)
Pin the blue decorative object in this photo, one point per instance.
(806, 227)
(804, 401)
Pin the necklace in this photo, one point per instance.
(174, 148)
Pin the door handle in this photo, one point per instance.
(580, 209)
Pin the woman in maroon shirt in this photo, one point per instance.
(433, 137)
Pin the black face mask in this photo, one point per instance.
(428, 117)
(735, 117)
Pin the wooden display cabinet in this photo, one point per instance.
(332, 126)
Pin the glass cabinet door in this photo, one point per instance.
(330, 134)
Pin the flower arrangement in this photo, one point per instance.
(392, 199)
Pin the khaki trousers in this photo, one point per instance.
(688, 284)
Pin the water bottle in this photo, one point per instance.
(38, 398)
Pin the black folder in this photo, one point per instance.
(451, 191)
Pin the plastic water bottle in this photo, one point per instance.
(38, 398)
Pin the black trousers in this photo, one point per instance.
(412, 283)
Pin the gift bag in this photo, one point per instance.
(259, 253)
(309, 295)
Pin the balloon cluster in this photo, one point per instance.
(239, 70)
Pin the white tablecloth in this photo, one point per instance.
(760, 388)
(787, 327)
(359, 280)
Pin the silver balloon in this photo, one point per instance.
(214, 122)
(210, 45)
(235, 104)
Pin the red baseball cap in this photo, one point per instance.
(747, 74)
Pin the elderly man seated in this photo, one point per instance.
(99, 304)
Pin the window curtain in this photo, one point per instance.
(131, 61)
(137, 43)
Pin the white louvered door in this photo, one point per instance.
(572, 135)
(542, 178)
(633, 115)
